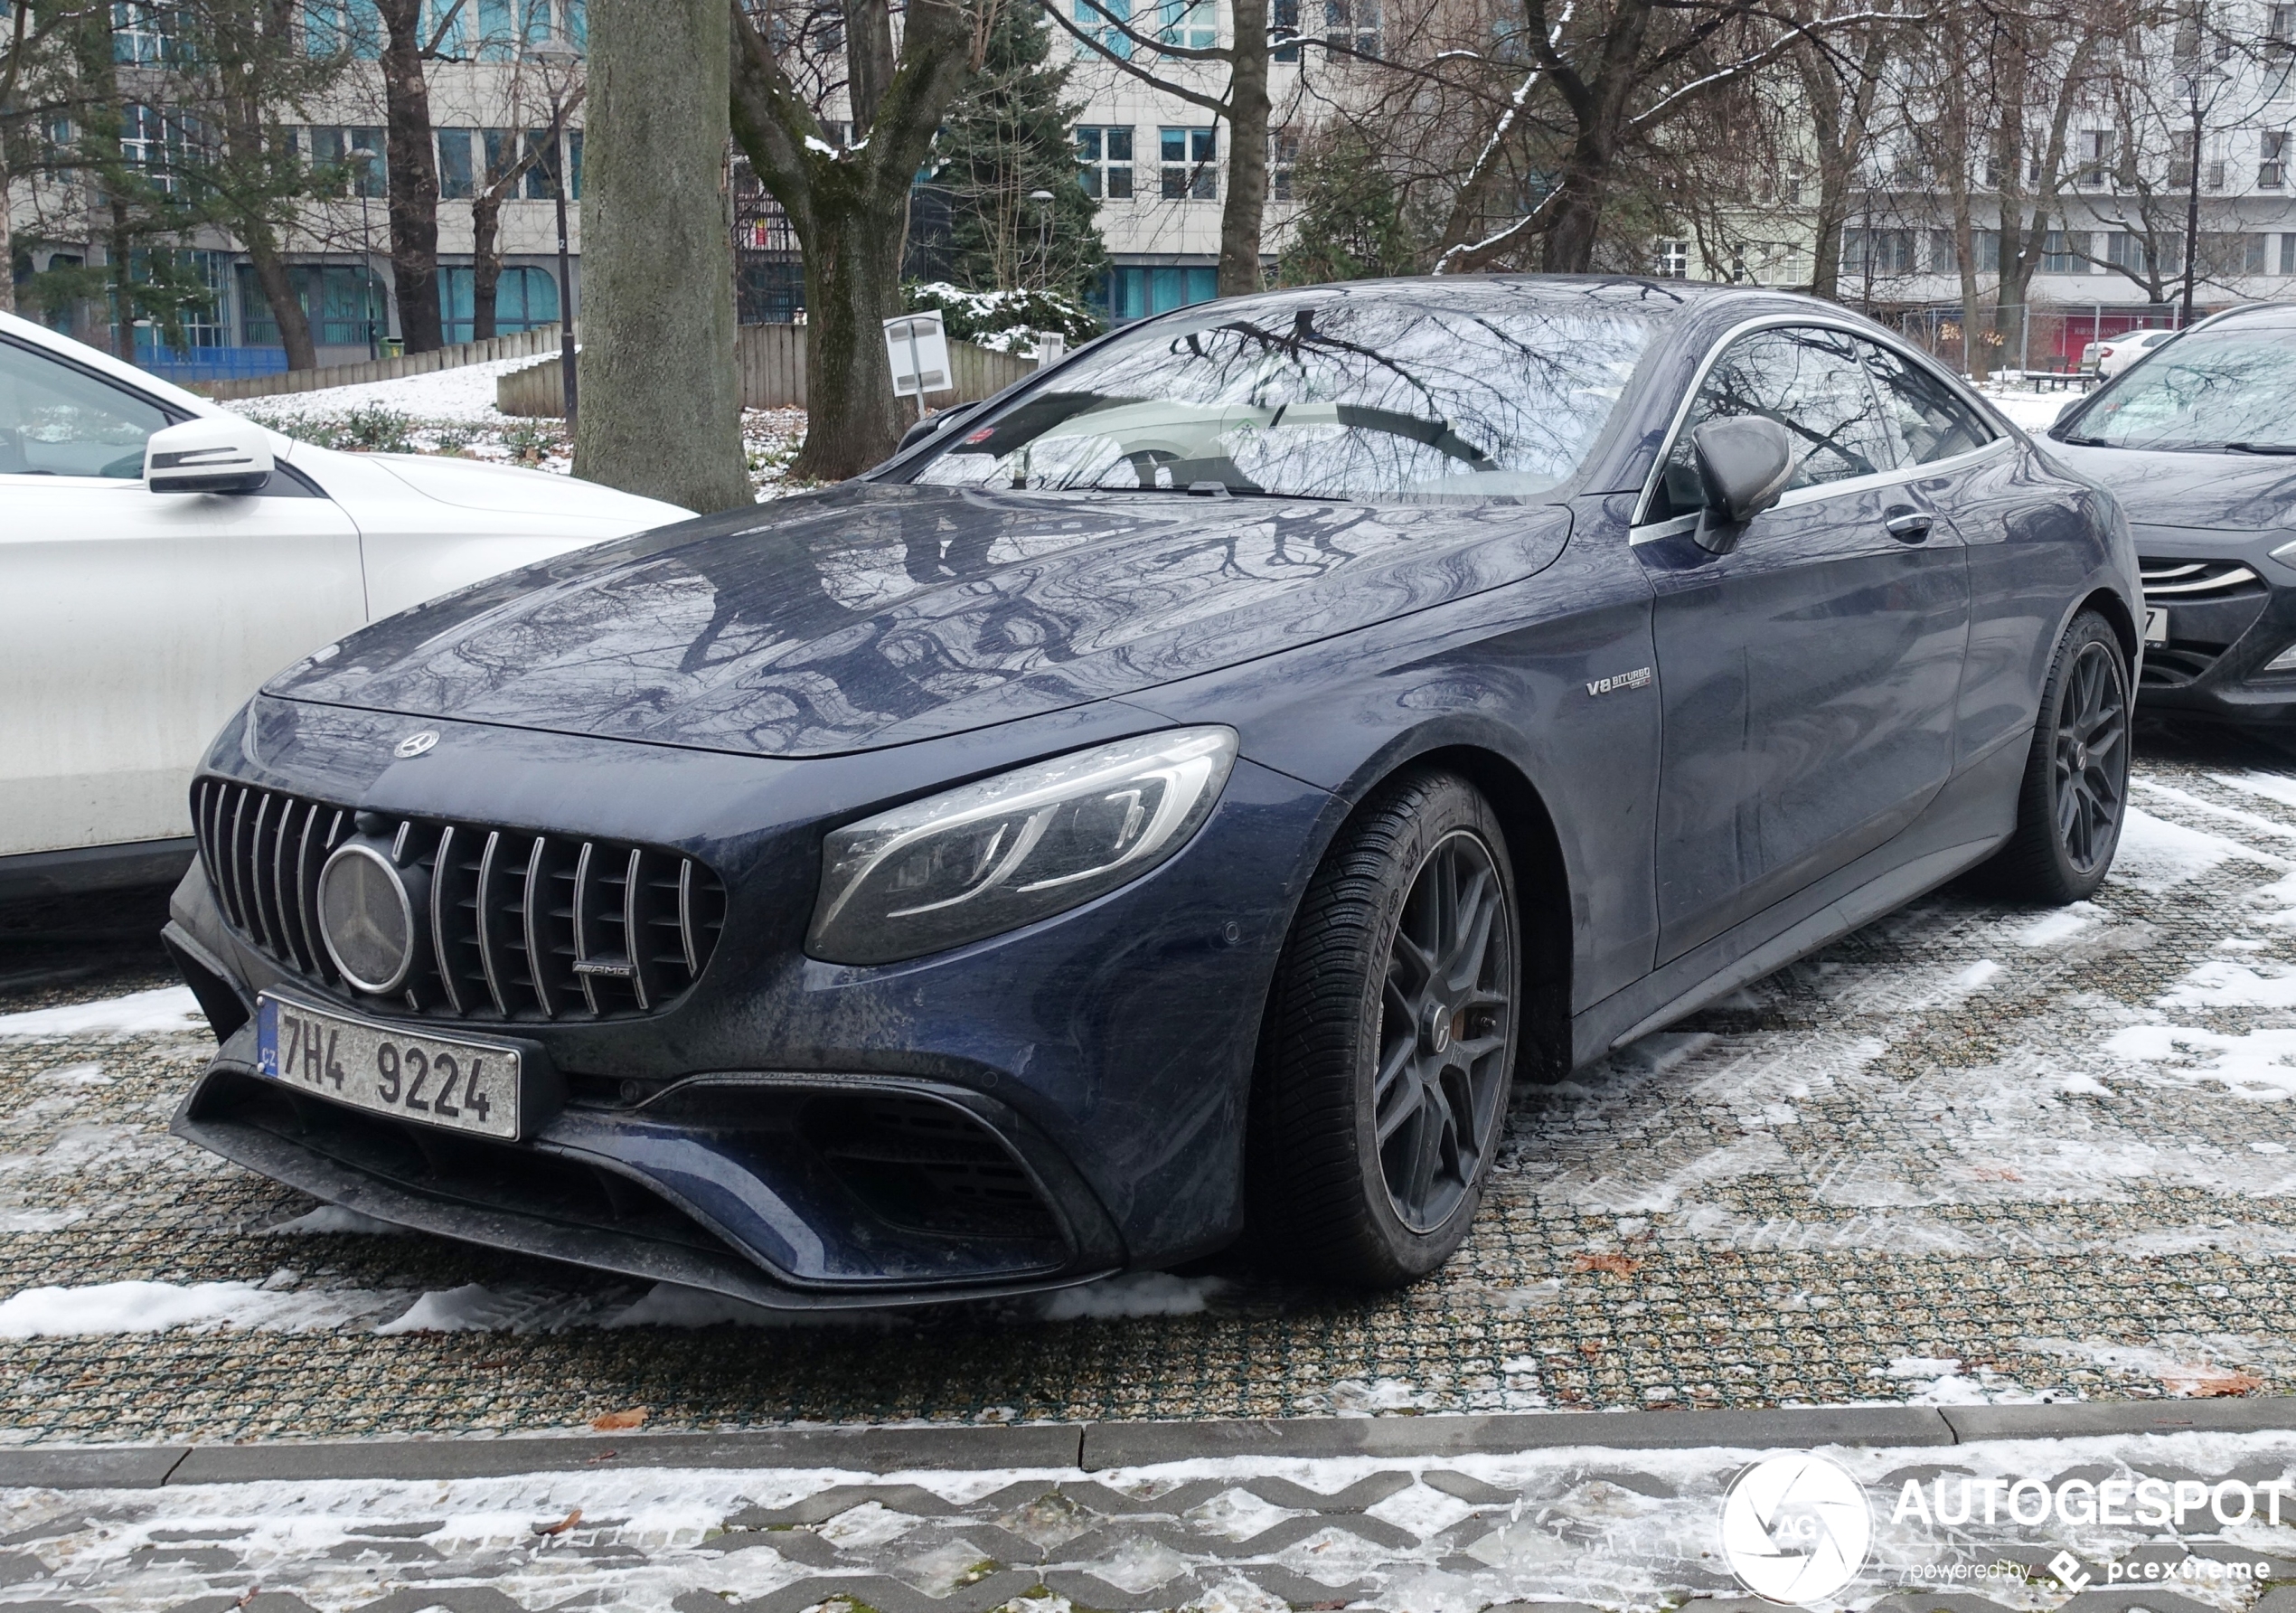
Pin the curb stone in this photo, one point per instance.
(1100, 1446)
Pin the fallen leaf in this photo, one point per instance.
(1993, 1172)
(562, 1525)
(2209, 1382)
(1612, 1261)
(1590, 1348)
(249, 1595)
(615, 1421)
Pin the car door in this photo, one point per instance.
(133, 623)
(1808, 678)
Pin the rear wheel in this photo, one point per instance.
(2076, 777)
(1390, 1041)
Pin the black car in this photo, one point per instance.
(1177, 798)
(2198, 440)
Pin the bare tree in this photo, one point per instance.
(408, 47)
(847, 198)
(29, 60)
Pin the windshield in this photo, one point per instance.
(1332, 395)
(2233, 388)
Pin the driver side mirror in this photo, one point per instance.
(212, 454)
(1744, 465)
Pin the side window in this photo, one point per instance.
(1809, 381)
(59, 421)
(1931, 421)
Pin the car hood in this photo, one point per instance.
(513, 489)
(2195, 491)
(869, 616)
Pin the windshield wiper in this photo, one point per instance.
(2262, 448)
(2086, 442)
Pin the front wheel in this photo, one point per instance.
(1390, 1041)
(2075, 792)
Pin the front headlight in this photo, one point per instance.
(1010, 850)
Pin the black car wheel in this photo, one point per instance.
(2076, 776)
(1390, 1041)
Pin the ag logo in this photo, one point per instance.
(415, 744)
(1795, 1528)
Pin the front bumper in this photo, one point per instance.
(1027, 1112)
(2222, 637)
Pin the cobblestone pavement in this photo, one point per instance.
(1559, 1530)
(1971, 1152)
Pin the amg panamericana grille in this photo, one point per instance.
(518, 926)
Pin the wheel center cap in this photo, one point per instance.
(2080, 753)
(1434, 1028)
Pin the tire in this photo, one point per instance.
(2075, 793)
(1381, 1091)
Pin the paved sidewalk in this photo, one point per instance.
(1972, 1153)
(1010, 1519)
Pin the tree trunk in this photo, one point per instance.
(7, 232)
(287, 309)
(661, 409)
(412, 171)
(486, 264)
(118, 252)
(852, 252)
(1244, 209)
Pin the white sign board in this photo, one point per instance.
(919, 353)
(1050, 345)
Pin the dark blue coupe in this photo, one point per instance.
(1173, 799)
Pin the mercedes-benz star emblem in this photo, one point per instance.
(415, 744)
(366, 918)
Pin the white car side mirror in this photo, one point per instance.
(212, 454)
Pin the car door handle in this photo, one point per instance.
(1909, 527)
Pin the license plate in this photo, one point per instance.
(2156, 627)
(432, 1081)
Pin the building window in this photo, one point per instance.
(345, 304)
(1877, 252)
(457, 168)
(2287, 254)
(1670, 260)
(1130, 291)
(2272, 165)
(343, 27)
(1190, 24)
(1282, 157)
(2126, 251)
(142, 33)
(2280, 30)
(1283, 29)
(525, 299)
(1104, 20)
(356, 152)
(2065, 254)
(1187, 157)
(2097, 158)
(1104, 163)
(1352, 27)
(153, 139)
(2232, 253)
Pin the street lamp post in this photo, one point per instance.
(2192, 196)
(556, 53)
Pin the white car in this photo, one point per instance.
(161, 557)
(2114, 355)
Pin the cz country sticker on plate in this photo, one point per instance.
(431, 1080)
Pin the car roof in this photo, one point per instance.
(33, 335)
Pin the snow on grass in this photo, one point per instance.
(152, 1306)
(2036, 411)
(465, 393)
(139, 1013)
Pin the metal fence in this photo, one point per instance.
(2044, 341)
(771, 362)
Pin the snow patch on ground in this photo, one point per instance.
(2060, 926)
(2034, 411)
(2157, 855)
(2223, 983)
(332, 1217)
(151, 1308)
(1132, 1294)
(476, 1308)
(168, 1008)
(2260, 1065)
(467, 394)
